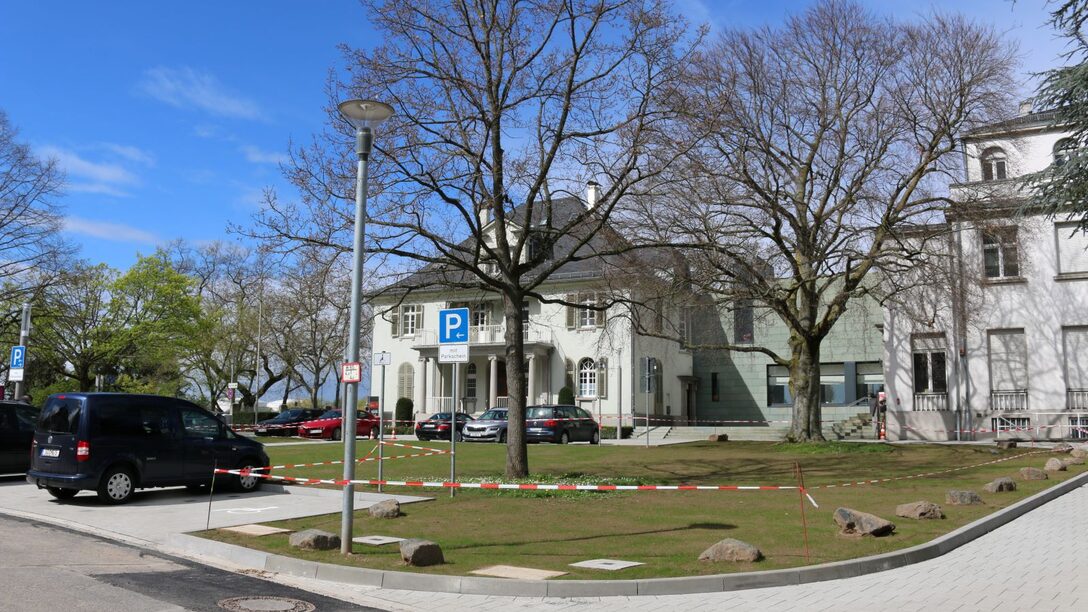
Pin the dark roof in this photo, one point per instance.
(1041, 119)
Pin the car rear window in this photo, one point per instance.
(61, 415)
(540, 413)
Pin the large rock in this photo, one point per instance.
(962, 498)
(1079, 452)
(1054, 465)
(1030, 473)
(1001, 484)
(732, 550)
(854, 522)
(1062, 447)
(919, 510)
(421, 553)
(315, 539)
(1073, 460)
(1006, 443)
(718, 438)
(389, 508)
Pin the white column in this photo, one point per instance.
(420, 399)
(532, 379)
(493, 380)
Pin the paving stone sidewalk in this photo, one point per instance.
(1036, 562)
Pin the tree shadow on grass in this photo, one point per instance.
(692, 526)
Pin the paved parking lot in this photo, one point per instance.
(155, 514)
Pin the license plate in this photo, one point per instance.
(474, 433)
(50, 452)
(262, 430)
(315, 431)
(428, 427)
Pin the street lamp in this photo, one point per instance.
(363, 115)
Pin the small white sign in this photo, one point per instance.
(453, 353)
(351, 372)
(15, 375)
(383, 359)
(232, 385)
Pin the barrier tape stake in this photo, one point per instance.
(801, 498)
(211, 492)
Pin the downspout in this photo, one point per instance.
(960, 322)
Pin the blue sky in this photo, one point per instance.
(170, 118)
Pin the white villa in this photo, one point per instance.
(1008, 352)
(592, 352)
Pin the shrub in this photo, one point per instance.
(566, 396)
(608, 432)
(404, 409)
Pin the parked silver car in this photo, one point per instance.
(490, 427)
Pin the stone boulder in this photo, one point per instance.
(1079, 452)
(718, 438)
(1001, 484)
(1006, 444)
(1054, 465)
(919, 510)
(856, 523)
(1063, 447)
(421, 553)
(389, 508)
(315, 539)
(962, 498)
(1073, 460)
(732, 550)
(1030, 473)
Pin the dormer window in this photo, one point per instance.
(994, 162)
(1063, 151)
(539, 246)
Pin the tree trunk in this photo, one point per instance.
(805, 388)
(517, 455)
(286, 391)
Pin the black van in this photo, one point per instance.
(115, 443)
(16, 429)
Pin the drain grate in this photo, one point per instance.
(260, 603)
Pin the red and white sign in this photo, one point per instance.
(351, 372)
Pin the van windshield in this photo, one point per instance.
(61, 415)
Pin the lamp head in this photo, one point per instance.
(365, 113)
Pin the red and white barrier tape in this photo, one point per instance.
(1003, 430)
(288, 466)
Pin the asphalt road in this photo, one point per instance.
(49, 568)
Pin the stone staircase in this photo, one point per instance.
(857, 427)
(656, 433)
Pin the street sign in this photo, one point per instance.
(18, 354)
(15, 375)
(383, 359)
(452, 353)
(232, 385)
(453, 325)
(351, 372)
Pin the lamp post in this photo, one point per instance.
(363, 115)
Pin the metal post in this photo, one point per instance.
(453, 432)
(381, 428)
(363, 140)
(257, 363)
(24, 338)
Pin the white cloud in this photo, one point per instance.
(108, 231)
(185, 87)
(129, 152)
(259, 156)
(96, 172)
(99, 188)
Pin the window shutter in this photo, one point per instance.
(1072, 249)
(602, 378)
(394, 320)
(1075, 343)
(419, 319)
(572, 312)
(600, 313)
(1008, 361)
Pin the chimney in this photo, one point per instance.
(593, 193)
(484, 215)
(1027, 106)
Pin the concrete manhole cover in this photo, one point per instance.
(266, 604)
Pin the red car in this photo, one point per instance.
(329, 426)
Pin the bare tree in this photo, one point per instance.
(820, 144)
(503, 107)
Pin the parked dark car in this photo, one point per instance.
(560, 424)
(438, 426)
(286, 423)
(16, 431)
(490, 427)
(115, 443)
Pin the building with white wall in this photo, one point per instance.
(1004, 353)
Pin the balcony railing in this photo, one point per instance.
(930, 402)
(1076, 399)
(488, 334)
(1007, 401)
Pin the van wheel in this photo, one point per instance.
(336, 434)
(596, 439)
(117, 485)
(564, 438)
(62, 493)
(247, 484)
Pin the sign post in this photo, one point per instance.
(383, 359)
(453, 348)
(649, 385)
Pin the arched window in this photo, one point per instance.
(406, 381)
(1063, 150)
(587, 378)
(994, 164)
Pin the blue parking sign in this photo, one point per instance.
(453, 325)
(18, 357)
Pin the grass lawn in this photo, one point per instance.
(665, 530)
